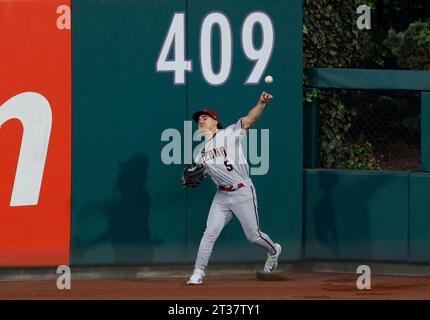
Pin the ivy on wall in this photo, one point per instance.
(332, 39)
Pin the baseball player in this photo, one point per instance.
(225, 163)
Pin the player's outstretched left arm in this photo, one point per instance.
(255, 113)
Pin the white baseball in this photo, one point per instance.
(268, 79)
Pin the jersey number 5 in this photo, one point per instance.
(228, 166)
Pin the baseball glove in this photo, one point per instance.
(193, 175)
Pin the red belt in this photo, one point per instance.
(231, 188)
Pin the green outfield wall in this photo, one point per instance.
(355, 215)
(116, 87)
(366, 216)
(127, 205)
(419, 217)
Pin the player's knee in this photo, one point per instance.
(252, 236)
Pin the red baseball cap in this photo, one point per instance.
(208, 112)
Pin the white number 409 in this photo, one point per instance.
(179, 65)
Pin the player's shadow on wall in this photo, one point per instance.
(126, 216)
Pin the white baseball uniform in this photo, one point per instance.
(228, 168)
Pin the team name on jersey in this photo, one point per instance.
(212, 154)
